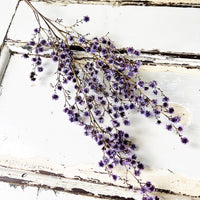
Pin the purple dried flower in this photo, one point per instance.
(169, 127)
(184, 140)
(82, 39)
(86, 18)
(126, 122)
(176, 119)
(147, 113)
(36, 30)
(55, 97)
(94, 48)
(25, 55)
(71, 38)
(40, 49)
(40, 69)
(171, 110)
(130, 50)
(140, 83)
(115, 123)
(137, 52)
(104, 52)
(140, 166)
(43, 42)
(86, 114)
(165, 99)
(180, 128)
(114, 177)
(32, 43)
(132, 106)
(55, 58)
(101, 163)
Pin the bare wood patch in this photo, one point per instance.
(170, 3)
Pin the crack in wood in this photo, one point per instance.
(148, 60)
(80, 191)
(49, 173)
(155, 52)
(14, 180)
(117, 197)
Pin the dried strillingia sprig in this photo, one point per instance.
(107, 87)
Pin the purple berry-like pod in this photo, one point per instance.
(130, 50)
(114, 177)
(169, 127)
(25, 55)
(184, 140)
(32, 43)
(180, 128)
(55, 97)
(36, 30)
(86, 18)
(43, 42)
(40, 69)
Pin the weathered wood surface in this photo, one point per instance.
(146, 28)
(32, 126)
(171, 3)
(90, 180)
(152, 60)
(40, 128)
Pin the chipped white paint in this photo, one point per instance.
(35, 134)
(158, 63)
(90, 178)
(40, 128)
(181, 3)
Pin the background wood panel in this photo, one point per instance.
(145, 28)
(32, 126)
(171, 3)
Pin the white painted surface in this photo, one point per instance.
(6, 9)
(35, 194)
(33, 125)
(167, 29)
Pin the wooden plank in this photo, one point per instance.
(88, 180)
(152, 60)
(46, 132)
(141, 27)
(170, 3)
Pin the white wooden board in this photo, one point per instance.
(163, 28)
(34, 127)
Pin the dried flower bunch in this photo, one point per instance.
(107, 89)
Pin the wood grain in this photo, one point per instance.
(89, 180)
(170, 3)
(153, 60)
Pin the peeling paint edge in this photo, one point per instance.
(188, 4)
